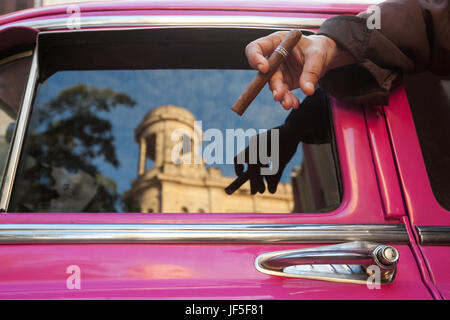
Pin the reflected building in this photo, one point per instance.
(188, 187)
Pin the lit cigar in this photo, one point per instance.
(275, 60)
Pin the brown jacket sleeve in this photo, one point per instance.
(413, 36)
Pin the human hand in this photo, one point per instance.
(309, 60)
(310, 124)
(257, 171)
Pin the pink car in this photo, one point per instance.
(94, 205)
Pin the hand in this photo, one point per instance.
(287, 144)
(310, 124)
(310, 59)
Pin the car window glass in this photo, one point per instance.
(145, 129)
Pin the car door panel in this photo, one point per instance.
(177, 271)
(171, 257)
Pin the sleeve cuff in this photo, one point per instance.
(349, 33)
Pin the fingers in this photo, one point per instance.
(238, 169)
(290, 99)
(256, 57)
(278, 86)
(312, 71)
(283, 79)
(257, 50)
(252, 173)
(273, 181)
(303, 68)
(281, 92)
(257, 184)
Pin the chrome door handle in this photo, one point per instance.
(352, 262)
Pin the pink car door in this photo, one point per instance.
(417, 118)
(62, 235)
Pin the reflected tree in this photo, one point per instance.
(69, 136)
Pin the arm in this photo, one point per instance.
(413, 36)
(358, 64)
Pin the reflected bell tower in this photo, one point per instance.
(169, 147)
(172, 177)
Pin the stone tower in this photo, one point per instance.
(156, 136)
(170, 179)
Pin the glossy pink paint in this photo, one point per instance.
(384, 163)
(438, 261)
(175, 271)
(241, 8)
(421, 261)
(422, 206)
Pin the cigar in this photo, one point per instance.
(275, 60)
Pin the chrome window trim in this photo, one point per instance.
(174, 21)
(19, 134)
(200, 233)
(438, 235)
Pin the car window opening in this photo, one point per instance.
(101, 133)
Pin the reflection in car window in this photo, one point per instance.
(103, 141)
(13, 77)
(429, 98)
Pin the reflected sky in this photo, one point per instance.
(208, 94)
